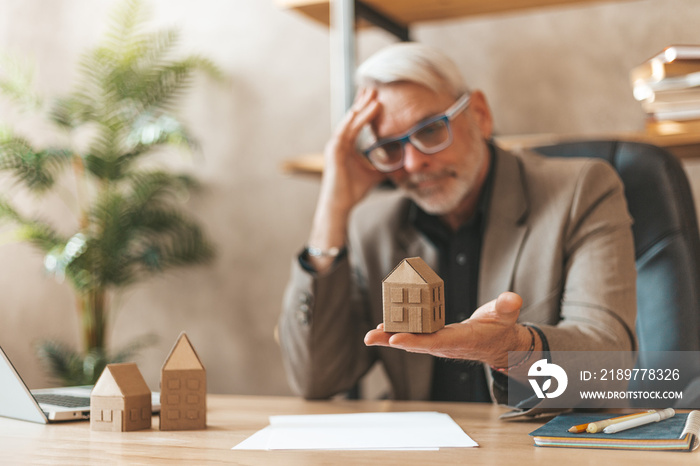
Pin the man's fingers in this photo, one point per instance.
(361, 113)
(508, 305)
(377, 337)
(479, 337)
(362, 98)
(361, 118)
(504, 309)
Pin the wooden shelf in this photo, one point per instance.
(410, 11)
(682, 145)
(683, 142)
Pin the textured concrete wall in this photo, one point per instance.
(563, 71)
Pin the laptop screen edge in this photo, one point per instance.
(16, 401)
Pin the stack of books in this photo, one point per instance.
(668, 86)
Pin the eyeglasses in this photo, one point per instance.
(429, 136)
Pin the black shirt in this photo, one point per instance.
(459, 253)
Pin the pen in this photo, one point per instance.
(582, 427)
(640, 421)
(597, 426)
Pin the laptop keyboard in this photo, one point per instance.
(66, 401)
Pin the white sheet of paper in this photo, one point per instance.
(260, 439)
(362, 431)
(257, 441)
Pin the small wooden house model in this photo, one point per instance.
(120, 400)
(183, 389)
(413, 298)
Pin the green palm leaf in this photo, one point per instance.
(131, 220)
(156, 187)
(40, 234)
(37, 169)
(16, 79)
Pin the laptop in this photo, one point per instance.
(45, 405)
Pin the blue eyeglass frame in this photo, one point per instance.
(449, 114)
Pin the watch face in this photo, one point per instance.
(318, 252)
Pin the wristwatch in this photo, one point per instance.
(318, 252)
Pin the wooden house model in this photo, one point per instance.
(413, 298)
(120, 400)
(183, 389)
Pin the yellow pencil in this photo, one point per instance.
(582, 427)
(598, 426)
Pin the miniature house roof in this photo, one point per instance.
(182, 356)
(413, 270)
(123, 379)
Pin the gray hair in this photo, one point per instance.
(412, 62)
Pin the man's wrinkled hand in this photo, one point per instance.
(486, 336)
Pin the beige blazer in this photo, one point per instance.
(557, 233)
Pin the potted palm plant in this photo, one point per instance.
(130, 222)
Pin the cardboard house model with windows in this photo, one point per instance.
(183, 389)
(413, 298)
(120, 400)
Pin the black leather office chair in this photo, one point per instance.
(667, 244)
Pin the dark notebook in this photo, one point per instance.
(674, 434)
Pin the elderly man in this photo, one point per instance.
(542, 246)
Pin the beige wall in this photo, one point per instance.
(562, 70)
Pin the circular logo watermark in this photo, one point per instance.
(542, 368)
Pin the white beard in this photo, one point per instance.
(458, 183)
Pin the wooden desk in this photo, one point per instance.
(231, 419)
